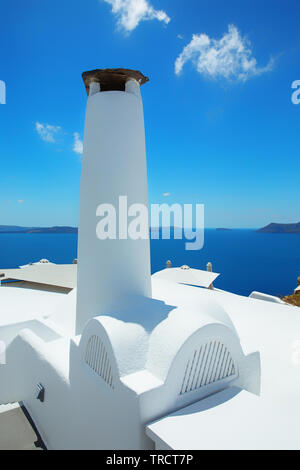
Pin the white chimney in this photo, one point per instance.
(114, 165)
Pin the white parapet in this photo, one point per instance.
(266, 297)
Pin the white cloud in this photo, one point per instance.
(78, 144)
(229, 57)
(131, 12)
(47, 131)
(20, 201)
(166, 194)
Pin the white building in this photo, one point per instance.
(126, 361)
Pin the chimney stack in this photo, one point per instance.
(114, 165)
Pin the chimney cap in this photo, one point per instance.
(112, 79)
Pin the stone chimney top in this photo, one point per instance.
(112, 79)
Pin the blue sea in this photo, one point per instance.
(247, 260)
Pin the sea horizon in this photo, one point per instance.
(247, 260)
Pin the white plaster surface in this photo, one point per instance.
(230, 420)
(114, 165)
(20, 305)
(143, 394)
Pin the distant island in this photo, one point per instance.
(281, 228)
(17, 229)
(271, 228)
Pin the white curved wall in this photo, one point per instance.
(114, 164)
(170, 336)
(125, 343)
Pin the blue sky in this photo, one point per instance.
(221, 131)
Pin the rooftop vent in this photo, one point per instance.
(96, 358)
(185, 267)
(211, 363)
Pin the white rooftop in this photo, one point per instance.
(230, 420)
(187, 275)
(60, 275)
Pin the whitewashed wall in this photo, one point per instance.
(114, 164)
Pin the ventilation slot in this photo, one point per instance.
(210, 363)
(97, 359)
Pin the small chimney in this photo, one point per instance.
(209, 269)
(114, 165)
